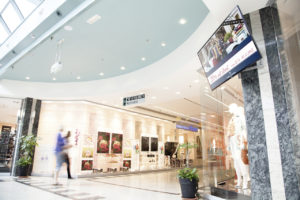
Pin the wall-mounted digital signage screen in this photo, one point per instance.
(154, 144)
(229, 50)
(145, 143)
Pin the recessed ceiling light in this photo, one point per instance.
(68, 28)
(93, 19)
(143, 58)
(177, 92)
(163, 44)
(223, 87)
(196, 81)
(212, 115)
(27, 77)
(101, 74)
(154, 97)
(122, 68)
(78, 77)
(166, 88)
(182, 21)
(54, 78)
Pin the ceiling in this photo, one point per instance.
(131, 34)
(171, 76)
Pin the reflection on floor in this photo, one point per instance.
(146, 186)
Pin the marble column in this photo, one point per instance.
(27, 124)
(272, 161)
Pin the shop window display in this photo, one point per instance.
(238, 145)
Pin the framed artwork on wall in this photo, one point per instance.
(116, 143)
(87, 152)
(127, 163)
(86, 165)
(127, 153)
(154, 144)
(103, 142)
(145, 143)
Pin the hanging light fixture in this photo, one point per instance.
(57, 66)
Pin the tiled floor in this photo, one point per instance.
(141, 186)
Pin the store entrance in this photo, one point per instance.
(8, 123)
(6, 148)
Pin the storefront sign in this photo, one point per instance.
(134, 100)
(186, 127)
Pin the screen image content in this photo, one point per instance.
(229, 50)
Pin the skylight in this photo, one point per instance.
(12, 15)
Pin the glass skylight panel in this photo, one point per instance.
(3, 34)
(2, 4)
(11, 17)
(27, 6)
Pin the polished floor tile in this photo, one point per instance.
(162, 185)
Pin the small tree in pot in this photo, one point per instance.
(27, 146)
(188, 178)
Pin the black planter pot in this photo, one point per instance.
(188, 188)
(23, 171)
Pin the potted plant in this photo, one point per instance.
(188, 178)
(27, 146)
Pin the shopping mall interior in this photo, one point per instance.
(147, 90)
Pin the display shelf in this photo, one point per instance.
(148, 161)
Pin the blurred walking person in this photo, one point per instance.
(60, 154)
(66, 153)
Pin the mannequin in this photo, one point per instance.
(238, 141)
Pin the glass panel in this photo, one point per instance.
(290, 58)
(26, 6)
(3, 34)
(2, 4)
(11, 17)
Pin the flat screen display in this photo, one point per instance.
(229, 50)
(145, 143)
(170, 148)
(154, 144)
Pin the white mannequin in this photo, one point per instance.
(237, 138)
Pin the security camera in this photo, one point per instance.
(56, 67)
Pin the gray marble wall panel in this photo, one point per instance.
(289, 94)
(248, 22)
(37, 111)
(27, 124)
(257, 148)
(27, 115)
(281, 112)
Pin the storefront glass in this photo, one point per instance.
(8, 125)
(289, 51)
